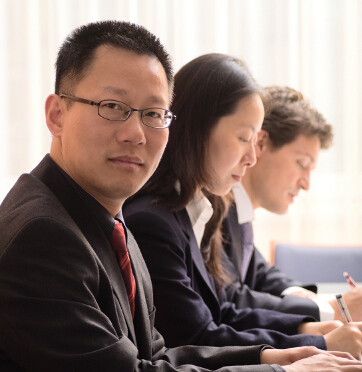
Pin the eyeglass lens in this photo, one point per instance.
(116, 110)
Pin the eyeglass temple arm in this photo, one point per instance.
(82, 100)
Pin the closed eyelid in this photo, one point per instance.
(302, 164)
(309, 165)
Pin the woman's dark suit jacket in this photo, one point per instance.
(63, 303)
(188, 309)
(256, 283)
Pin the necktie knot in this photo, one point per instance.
(118, 238)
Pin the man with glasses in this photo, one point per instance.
(75, 294)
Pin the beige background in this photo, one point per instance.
(312, 45)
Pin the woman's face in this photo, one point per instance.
(231, 145)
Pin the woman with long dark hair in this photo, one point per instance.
(176, 217)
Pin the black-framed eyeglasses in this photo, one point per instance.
(114, 110)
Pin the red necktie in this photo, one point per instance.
(118, 242)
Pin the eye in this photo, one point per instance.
(153, 114)
(301, 164)
(113, 106)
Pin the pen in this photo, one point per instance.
(349, 279)
(343, 308)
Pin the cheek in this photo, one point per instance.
(224, 164)
(284, 184)
(87, 135)
(234, 153)
(223, 154)
(156, 146)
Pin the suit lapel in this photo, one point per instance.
(96, 238)
(236, 243)
(105, 253)
(186, 226)
(144, 296)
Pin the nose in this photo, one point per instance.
(132, 130)
(249, 158)
(304, 181)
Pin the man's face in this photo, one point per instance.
(278, 175)
(111, 160)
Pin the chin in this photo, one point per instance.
(278, 209)
(223, 192)
(282, 210)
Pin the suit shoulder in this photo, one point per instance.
(143, 203)
(144, 216)
(29, 203)
(145, 207)
(29, 197)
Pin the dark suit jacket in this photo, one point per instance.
(256, 283)
(189, 310)
(63, 303)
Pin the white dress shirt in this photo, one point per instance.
(200, 211)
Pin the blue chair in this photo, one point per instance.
(318, 264)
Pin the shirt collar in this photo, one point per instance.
(244, 208)
(200, 211)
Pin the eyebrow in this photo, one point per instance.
(123, 92)
(114, 90)
(307, 155)
(251, 128)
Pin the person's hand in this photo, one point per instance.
(353, 300)
(338, 336)
(305, 293)
(324, 363)
(346, 338)
(292, 355)
(318, 328)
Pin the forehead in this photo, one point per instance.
(125, 73)
(248, 114)
(303, 145)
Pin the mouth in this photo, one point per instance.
(127, 162)
(237, 178)
(293, 195)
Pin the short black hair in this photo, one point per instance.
(77, 51)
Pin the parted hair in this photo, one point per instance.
(206, 89)
(290, 115)
(76, 54)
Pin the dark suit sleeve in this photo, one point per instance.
(243, 296)
(221, 357)
(183, 317)
(268, 278)
(52, 318)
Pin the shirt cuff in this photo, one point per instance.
(326, 311)
(294, 288)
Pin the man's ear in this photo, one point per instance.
(261, 143)
(54, 108)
